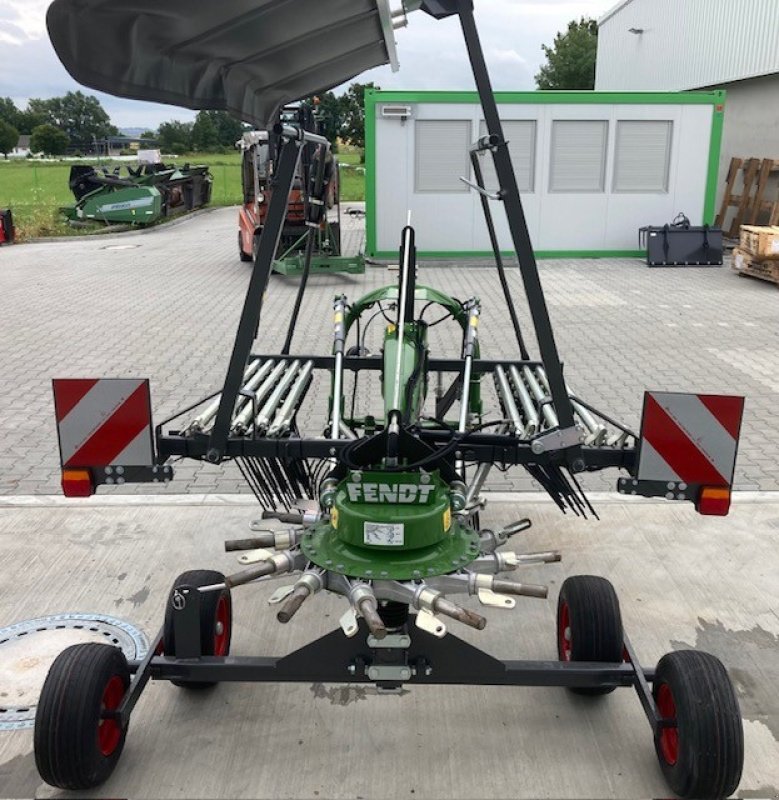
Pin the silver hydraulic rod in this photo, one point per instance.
(507, 396)
(242, 420)
(540, 394)
(282, 422)
(209, 412)
(471, 336)
(339, 343)
(531, 415)
(338, 379)
(466, 394)
(405, 266)
(266, 413)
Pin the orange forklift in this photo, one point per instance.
(260, 152)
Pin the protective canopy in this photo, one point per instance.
(247, 57)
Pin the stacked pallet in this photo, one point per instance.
(757, 255)
(751, 193)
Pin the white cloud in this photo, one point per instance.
(27, 15)
(432, 53)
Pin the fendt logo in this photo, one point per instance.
(395, 493)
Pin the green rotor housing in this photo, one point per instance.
(392, 526)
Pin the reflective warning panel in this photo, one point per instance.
(103, 422)
(689, 438)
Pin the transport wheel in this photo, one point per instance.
(589, 624)
(75, 747)
(704, 754)
(243, 256)
(216, 620)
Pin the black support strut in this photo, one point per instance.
(252, 308)
(515, 213)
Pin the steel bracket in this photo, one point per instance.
(560, 439)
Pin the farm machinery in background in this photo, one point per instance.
(383, 506)
(311, 236)
(141, 196)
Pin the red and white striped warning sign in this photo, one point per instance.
(103, 422)
(689, 438)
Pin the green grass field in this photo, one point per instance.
(34, 190)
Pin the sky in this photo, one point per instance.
(431, 53)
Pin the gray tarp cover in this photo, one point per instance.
(243, 56)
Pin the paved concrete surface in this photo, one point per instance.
(684, 581)
(165, 303)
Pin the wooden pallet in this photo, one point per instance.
(745, 264)
(762, 241)
(755, 199)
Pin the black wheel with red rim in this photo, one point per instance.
(589, 624)
(77, 745)
(216, 619)
(701, 745)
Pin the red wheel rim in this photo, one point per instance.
(669, 737)
(109, 732)
(221, 627)
(564, 632)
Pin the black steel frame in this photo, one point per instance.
(334, 658)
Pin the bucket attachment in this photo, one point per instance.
(104, 428)
(687, 449)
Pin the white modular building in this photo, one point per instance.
(592, 168)
(679, 45)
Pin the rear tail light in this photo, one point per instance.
(77, 483)
(714, 501)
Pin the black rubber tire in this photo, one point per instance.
(209, 607)
(594, 624)
(243, 256)
(708, 753)
(68, 735)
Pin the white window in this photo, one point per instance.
(578, 162)
(521, 136)
(442, 155)
(643, 156)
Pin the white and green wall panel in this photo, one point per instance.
(592, 168)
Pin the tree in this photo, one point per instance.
(148, 135)
(49, 140)
(175, 136)
(9, 113)
(80, 116)
(23, 121)
(9, 137)
(228, 129)
(27, 121)
(205, 135)
(570, 62)
(353, 130)
(330, 112)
